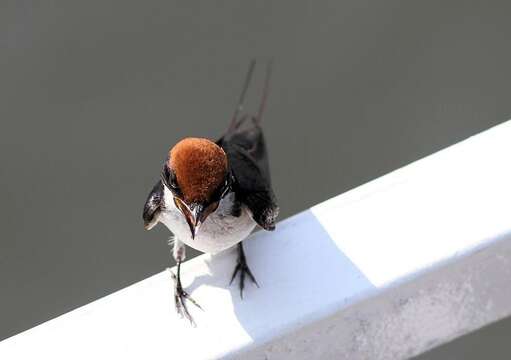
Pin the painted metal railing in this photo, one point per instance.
(385, 271)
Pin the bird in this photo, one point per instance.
(212, 194)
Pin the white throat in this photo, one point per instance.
(220, 231)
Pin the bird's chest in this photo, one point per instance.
(220, 231)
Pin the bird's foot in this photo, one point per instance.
(180, 297)
(244, 271)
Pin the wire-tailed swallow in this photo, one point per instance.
(212, 194)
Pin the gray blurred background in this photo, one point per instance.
(93, 94)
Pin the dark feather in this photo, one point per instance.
(153, 205)
(248, 161)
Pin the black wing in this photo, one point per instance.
(248, 161)
(153, 206)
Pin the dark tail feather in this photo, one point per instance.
(239, 106)
(266, 91)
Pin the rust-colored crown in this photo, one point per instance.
(200, 166)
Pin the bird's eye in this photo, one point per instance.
(173, 180)
(169, 178)
(227, 186)
(225, 190)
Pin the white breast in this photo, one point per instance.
(220, 230)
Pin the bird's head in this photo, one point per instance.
(196, 172)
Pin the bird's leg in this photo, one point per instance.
(180, 296)
(243, 269)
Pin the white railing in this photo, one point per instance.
(385, 271)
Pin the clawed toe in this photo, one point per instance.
(244, 271)
(180, 297)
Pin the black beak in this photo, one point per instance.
(194, 215)
(195, 219)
